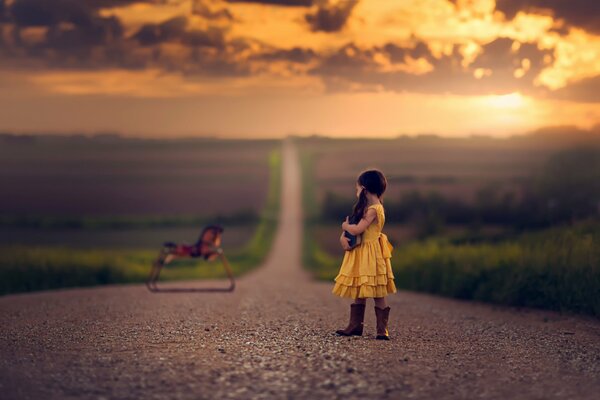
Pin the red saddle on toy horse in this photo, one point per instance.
(208, 246)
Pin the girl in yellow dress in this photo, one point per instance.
(366, 270)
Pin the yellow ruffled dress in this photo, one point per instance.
(366, 270)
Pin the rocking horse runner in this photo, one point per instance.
(207, 246)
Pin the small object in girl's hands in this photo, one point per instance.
(355, 240)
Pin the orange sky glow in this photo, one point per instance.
(268, 68)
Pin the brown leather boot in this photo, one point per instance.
(382, 315)
(355, 326)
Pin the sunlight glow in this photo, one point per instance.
(265, 70)
(506, 101)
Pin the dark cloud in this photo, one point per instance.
(73, 28)
(297, 55)
(585, 90)
(168, 31)
(116, 3)
(211, 37)
(203, 63)
(348, 62)
(289, 3)
(582, 13)
(355, 67)
(46, 12)
(352, 66)
(2, 9)
(398, 53)
(503, 61)
(77, 37)
(331, 17)
(84, 35)
(174, 30)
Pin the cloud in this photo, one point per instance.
(83, 35)
(582, 13)
(330, 17)
(211, 37)
(175, 45)
(585, 90)
(415, 69)
(73, 34)
(2, 10)
(170, 30)
(47, 13)
(399, 53)
(117, 3)
(199, 7)
(56, 30)
(511, 61)
(296, 55)
(288, 3)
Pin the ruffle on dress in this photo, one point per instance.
(367, 270)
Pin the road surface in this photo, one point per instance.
(273, 338)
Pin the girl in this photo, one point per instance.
(366, 270)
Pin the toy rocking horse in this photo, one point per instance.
(207, 246)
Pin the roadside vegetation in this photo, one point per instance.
(547, 257)
(30, 268)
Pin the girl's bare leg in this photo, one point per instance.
(380, 302)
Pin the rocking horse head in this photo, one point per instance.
(209, 242)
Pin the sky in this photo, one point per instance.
(269, 68)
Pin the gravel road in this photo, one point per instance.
(273, 338)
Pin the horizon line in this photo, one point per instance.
(549, 129)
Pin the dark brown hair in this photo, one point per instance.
(374, 181)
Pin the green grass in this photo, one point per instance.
(26, 268)
(557, 268)
(320, 263)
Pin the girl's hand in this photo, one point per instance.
(344, 242)
(345, 224)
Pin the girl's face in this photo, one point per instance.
(358, 189)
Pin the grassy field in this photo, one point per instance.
(556, 268)
(453, 167)
(28, 268)
(54, 180)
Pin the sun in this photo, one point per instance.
(506, 101)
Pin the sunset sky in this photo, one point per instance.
(268, 68)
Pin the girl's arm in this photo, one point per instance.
(344, 241)
(357, 229)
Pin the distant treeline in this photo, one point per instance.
(241, 217)
(113, 139)
(566, 189)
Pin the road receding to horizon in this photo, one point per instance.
(273, 338)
